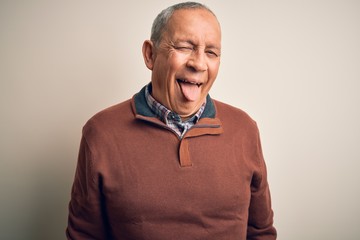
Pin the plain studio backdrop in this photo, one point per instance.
(294, 66)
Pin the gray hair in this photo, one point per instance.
(164, 16)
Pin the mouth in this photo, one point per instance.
(184, 81)
(191, 89)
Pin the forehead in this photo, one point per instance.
(194, 24)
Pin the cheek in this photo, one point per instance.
(212, 74)
(176, 63)
(213, 70)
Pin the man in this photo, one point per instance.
(172, 163)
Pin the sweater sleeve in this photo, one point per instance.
(260, 222)
(86, 219)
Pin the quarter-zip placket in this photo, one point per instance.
(205, 126)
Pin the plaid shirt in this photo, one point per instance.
(172, 119)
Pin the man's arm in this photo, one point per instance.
(86, 220)
(260, 222)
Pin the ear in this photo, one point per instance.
(148, 51)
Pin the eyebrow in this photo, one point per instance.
(211, 46)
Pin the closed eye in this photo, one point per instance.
(183, 48)
(212, 53)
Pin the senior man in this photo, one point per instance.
(173, 163)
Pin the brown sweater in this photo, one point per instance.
(135, 178)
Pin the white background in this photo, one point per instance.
(294, 66)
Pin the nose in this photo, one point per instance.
(197, 61)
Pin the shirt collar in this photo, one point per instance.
(166, 115)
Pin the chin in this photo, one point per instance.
(189, 109)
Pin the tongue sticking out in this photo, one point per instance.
(190, 91)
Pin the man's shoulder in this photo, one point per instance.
(111, 116)
(118, 110)
(227, 111)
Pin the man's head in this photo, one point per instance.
(184, 56)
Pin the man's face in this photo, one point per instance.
(186, 62)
